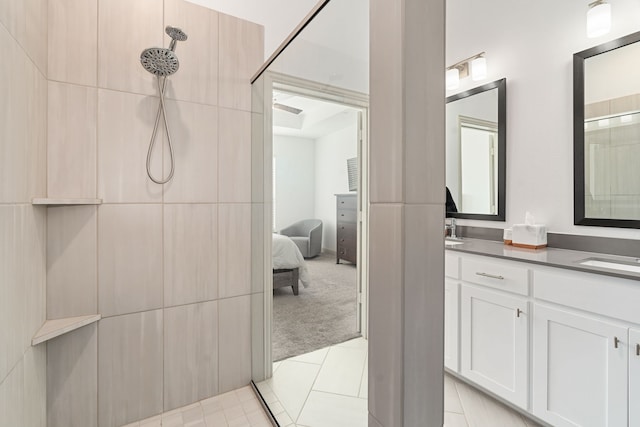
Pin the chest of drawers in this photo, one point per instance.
(347, 227)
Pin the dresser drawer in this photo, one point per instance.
(345, 215)
(347, 202)
(503, 275)
(348, 253)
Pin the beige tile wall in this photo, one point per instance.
(23, 130)
(167, 266)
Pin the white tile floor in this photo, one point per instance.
(328, 388)
(303, 387)
(238, 408)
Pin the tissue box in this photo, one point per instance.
(529, 236)
(507, 236)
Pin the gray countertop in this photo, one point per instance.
(552, 257)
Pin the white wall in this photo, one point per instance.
(295, 179)
(532, 45)
(332, 152)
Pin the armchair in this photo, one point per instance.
(307, 235)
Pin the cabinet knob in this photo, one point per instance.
(616, 342)
(637, 349)
(519, 312)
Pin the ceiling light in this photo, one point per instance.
(598, 18)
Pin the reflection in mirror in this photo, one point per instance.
(607, 134)
(475, 152)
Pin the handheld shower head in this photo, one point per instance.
(163, 62)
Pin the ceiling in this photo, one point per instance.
(317, 119)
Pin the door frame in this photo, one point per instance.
(307, 88)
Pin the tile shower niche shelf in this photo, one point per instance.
(56, 327)
(65, 202)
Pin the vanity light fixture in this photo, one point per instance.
(598, 18)
(475, 65)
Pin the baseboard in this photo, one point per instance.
(328, 251)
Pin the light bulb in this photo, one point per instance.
(479, 68)
(598, 19)
(452, 78)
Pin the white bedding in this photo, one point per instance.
(287, 255)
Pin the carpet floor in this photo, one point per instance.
(322, 315)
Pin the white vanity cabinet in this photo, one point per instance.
(494, 326)
(563, 345)
(451, 313)
(634, 377)
(579, 371)
(494, 339)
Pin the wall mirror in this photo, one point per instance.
(606, 95)
(476, 152)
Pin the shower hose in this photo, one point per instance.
(162, 84)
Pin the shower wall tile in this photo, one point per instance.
(257, 158)
(130, 368)
(35, 386)
(258, 249)
(73, 41)
(11, 398)
(125, 126)
(129, 258)
(235, 342)
(241, 55)
(234, 156)
(33, 265)
(190, 253)
(72, 378)
(190, 353)
(234, 250)
(26, 21)
(194, 132)
(125, 29)
(36, 133)
(385, 328)
(11, 289)
(72, 282)
(197, 78)
(71, 147)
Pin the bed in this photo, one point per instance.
(288, 264)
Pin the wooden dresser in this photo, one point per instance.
(347, 227)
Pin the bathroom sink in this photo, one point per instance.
(448, 242)
(611, 265)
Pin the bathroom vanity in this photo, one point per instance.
(548, 331)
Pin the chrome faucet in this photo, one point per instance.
(451, 228)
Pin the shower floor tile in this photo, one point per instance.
(238, 408)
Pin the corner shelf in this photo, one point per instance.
(56, 327)
(65, 202)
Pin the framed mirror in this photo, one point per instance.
(606, 135)
(476, 125)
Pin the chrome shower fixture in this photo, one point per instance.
(162, 63)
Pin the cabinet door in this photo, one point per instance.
(494, 342)
(634, 378)
(579, 369)
(451, 301)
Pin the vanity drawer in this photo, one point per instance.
(595, 293)
(451, 263)
(503, 275)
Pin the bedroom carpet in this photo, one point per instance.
(322, 315)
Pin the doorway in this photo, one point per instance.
(338, 113)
